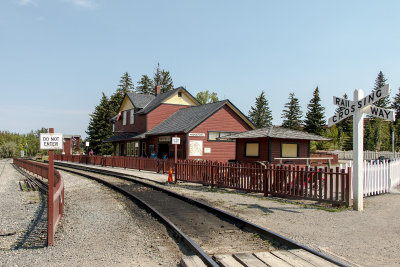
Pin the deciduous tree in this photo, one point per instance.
(206, 97)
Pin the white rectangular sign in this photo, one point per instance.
(385, 114)
(176, 140)
(197, 134)
(51, 141)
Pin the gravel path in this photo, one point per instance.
(99, 228)
(367, 238)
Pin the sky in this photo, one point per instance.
(58, 56)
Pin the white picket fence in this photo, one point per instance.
(368, 155)
(379, 177)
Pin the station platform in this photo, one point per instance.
(147, 175)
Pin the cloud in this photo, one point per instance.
(83, 3)
(26, 2)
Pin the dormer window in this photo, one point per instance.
(179, 94)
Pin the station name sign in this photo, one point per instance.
(51, 141)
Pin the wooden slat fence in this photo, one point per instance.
(42, 170)
(139, 163)
(379, 176)
(330, 185)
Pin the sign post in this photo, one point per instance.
(176, 141)
(357, 108)
(50, 142)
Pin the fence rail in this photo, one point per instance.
(379, 176)
(57, 198)
(139, 163)
(302, 182)
(368, 155)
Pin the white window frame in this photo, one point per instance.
(132, 116)
(124, 118)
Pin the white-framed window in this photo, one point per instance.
(124, 118)
(132, 116)
(219, 136)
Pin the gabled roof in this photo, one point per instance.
(278, 132)
(160, 98)
(140, 100)
(186, 119)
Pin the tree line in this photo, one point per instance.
(11, 144)
(377, 132)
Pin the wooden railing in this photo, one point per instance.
(329, 185)
(57, 198)
(139, 163)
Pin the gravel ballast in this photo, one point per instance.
(99, 228)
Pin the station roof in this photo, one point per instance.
(278, 132)
(140, 100)
(185, 120)
(124, 137)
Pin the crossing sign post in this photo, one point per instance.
(357, 108)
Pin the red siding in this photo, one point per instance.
(275, 149)
(161, 113)
(224, 120)
(139, 125)
(241, 145)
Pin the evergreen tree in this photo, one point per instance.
(261, 115)
(124, 87)
(163, 78)
(146, 85)
(100, 128)
(345, 129)
(206, 97)
(396, 126)
(379, 82)
(315, 121)
(292, 114)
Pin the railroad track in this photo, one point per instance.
(215, 236)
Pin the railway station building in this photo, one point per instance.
(147, 123)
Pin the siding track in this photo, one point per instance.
(214, 235)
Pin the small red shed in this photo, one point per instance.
(274, 143)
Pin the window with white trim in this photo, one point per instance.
(124, 118)
(219, 136)
(132, 116)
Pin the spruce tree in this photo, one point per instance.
(396, 126)
(163, 78)
(292, 114)
(261, 115)
(100, 128)
(379, 82)
(125, 86)
(145, 85)
(315, 121)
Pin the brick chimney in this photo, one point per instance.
(157, 90)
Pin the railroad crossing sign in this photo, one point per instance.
(364, 104)
(357, 108)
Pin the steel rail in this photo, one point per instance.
(222, 214)
(186, 239)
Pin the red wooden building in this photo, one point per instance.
(274, 143)
(71, 144)
(147, 123)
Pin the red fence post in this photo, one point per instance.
(50, 208)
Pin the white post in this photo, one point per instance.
(358, 155)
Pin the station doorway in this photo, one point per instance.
(163, 149)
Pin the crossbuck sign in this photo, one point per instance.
(357, 108)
